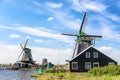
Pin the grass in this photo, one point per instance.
(110, 72)
(74, 76)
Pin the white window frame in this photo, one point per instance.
(95, 54)
(87, 54)
(86, 66)
(95, 63)
(111, 63)
(76, 63)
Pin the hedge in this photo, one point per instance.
(111, 70)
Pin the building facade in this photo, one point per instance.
(90, 58)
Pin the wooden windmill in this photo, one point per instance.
(26, 56)
(83, 40)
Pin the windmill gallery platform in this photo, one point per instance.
(85, 55)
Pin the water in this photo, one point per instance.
(16, 75)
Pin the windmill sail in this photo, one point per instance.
(26, 55)
(83, 40)
(76, 47)
(82, 24)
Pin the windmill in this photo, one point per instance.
(83, 40)
(26, 56)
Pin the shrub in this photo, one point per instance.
(111, 70)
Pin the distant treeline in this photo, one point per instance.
(7, 64)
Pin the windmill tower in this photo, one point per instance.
(26, 56)
(83, 40)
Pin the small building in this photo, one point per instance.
(90, 58)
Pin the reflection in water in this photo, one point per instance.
(16, 75)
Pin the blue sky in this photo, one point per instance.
(43, 21)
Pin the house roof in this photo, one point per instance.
(86, 50)
(82, 52)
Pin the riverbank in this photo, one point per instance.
(3, 68)
(74, 76)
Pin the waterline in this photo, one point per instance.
(16, 75)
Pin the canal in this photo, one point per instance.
(16, 75)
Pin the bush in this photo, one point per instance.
(111, 70)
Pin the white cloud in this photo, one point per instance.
(37, 3)
(111, 52)
(108, 32)
(38, 32)
(45, 29)
(53, 55)
(67, 20)
(38, 40)
(54, 5)
(105, 48)
(5, 27)
(15, 36)
(42, 33)
(50, 19)
(96, 6)
(115, 54)
(27, 37)
(9, 53)
(112, 17)
(83, 5)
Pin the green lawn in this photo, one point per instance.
(110, 72)
(74, 76)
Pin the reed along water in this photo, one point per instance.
(17, 75)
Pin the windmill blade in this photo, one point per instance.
(21, 51)
(21, 46)
(20, 54)
(83, 20)
(91, 36)
(75, 47)
(25, 43)
(70, 34)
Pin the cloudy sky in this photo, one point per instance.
(43, 21)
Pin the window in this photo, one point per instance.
(95, 54)
(88, 65)
(74, 65)
(87, 54)
(96, 64)
(111, 63)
